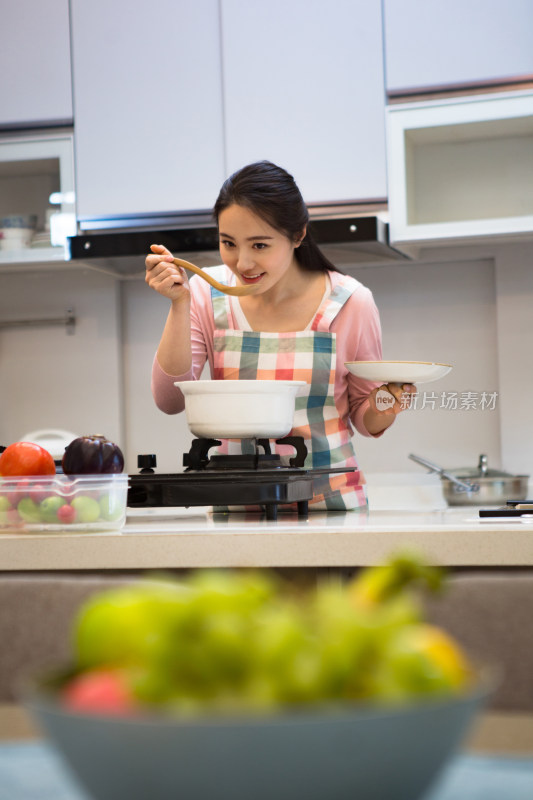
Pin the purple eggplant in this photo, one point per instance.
(92, 455)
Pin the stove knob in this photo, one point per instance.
(146, 462)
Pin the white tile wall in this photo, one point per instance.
(514, 292)
(438, 312)
(49, 379)
(148, 430)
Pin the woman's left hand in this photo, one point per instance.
(386, 402)
(391, 398)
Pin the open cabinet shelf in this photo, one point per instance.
(461, 170)
(32, 168)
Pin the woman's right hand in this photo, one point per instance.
(164, 276)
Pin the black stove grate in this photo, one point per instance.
(198, 457)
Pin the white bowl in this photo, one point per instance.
(240, 409)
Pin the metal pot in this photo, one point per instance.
(478, 486)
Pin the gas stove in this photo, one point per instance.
(258, 478)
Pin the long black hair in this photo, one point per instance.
(271, 193)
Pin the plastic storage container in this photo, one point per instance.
(83, 503)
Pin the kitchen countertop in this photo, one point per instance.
(190, 538)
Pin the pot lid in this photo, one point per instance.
(467, 474)
(481, 471)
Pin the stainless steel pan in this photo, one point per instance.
(477, 486)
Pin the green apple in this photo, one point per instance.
(127, 625)
(49, 506)
(28, 510)
(5, 505)
(111, 508)
(87, 508)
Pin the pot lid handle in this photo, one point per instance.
(483, 465)
(464, 485)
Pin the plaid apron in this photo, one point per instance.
(300, 356)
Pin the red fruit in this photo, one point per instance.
(26, 458)
(21, 490)
(99, 691)
(68, 489)
(38, 493)
(66, 514)
(13, 518)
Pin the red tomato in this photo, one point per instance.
(26, 458)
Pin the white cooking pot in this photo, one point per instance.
(240, 409)
(52, 439)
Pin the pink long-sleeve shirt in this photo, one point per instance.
(356, 327)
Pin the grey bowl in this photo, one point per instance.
(356, 752)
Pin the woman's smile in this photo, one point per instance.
(251, 278)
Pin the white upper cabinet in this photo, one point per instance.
(303, 87)
(35, 87)
(172, 98)
(148, 106)
(435, 43)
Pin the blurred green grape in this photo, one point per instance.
(243, 641)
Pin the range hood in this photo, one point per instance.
(349, 235)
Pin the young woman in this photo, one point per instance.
(304, 322)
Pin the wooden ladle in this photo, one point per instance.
(237, 291)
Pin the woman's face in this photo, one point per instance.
(254, 251)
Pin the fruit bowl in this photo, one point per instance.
(83, 503)
(366, 752)
(237, 685)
